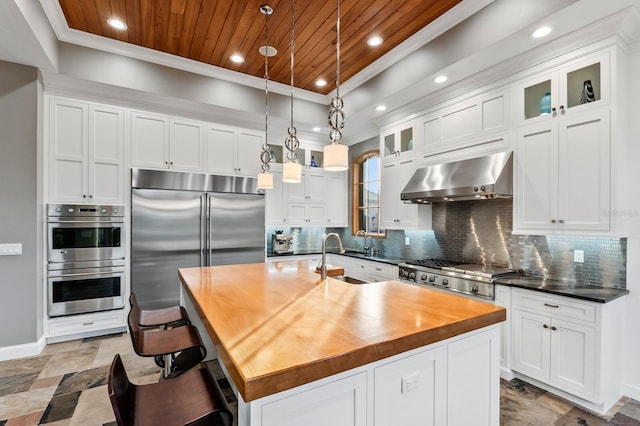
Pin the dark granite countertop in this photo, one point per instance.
(563, 288)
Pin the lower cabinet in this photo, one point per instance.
(365, 270)
(70, 327)
(568, 344)
(452, 382)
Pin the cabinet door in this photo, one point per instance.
(106, 157)
(315, 214)
(186, 145)
(316, 186)
(339, 403)
(149, 140)
(573, 357)
(405, 390)
(274, 201)
(68, 168)
(221, 150)
(531, 344)
(296, 192)
(248, 152)
(536, 194)
(336, 199)
(584, 163)
(406, 213)
(389, 195)
(296, 214)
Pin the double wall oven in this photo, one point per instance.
(85, 258)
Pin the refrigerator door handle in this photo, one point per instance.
(207, 235)
(203, 229)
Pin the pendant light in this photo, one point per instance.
(265, 179)
(291, 170)
(336, 155)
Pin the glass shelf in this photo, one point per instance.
(318, 156)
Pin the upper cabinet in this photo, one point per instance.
(233, 151)
(465, 124)
(86, 144)
(397, 141)
(573, 88)
(162, 142)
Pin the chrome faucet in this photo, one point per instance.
(365, 247)
(323, 265)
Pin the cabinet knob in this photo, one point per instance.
(561, 107)
(171, 163)
(553, 221)
(90, 196)
(561, 221)
(84, 195)
(553, 109)
(553, 328)
(545, 326)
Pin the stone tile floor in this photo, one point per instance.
(66, 385)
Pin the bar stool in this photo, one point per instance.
(173, 316)
(191, 399)
(180, 347)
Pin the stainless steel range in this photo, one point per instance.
(467, 278)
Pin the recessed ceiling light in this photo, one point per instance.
(269, 51)
(440, 79)
(316, 129)
(321, 83)
(117, 24)
(238, 59)
(375, 41)
(381, 108)
(541, 32)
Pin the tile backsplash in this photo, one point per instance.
(480, 232)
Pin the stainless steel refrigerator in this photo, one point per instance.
(189, 219)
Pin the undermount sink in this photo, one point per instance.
(351, 280)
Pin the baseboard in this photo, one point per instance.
(631, 391)
(22, 351)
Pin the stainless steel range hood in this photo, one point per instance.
(486, 177)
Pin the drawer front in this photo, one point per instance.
(555, 305)
(86, 323)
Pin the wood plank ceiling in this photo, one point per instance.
(210, 31)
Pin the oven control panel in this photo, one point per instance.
(84, 210)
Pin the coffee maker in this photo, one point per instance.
(281, 243)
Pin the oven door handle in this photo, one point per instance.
(61, 274)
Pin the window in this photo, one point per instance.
(366, 190)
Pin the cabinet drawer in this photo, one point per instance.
(86, 323)
(554, 305)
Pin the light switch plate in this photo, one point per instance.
(11, 249)
(578, 256)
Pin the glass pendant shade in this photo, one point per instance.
(291, 172)
(265, 181)
(336, 157)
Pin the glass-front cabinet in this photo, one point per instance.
(578, 86)
(397, 141)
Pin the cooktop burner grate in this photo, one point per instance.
(435, 263)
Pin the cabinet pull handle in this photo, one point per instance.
(553, 328)
(88, 323)
(378, 269)
(551, 306)
(545, 326)
(561, 221)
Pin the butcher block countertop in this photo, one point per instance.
(279, 325)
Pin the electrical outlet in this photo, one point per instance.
(406, 241)
(11, 249)
(578, 256)
(410, 383)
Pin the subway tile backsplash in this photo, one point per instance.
(480, 232)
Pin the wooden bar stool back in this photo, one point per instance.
(191, 399)
(180, 347)
(173, 316)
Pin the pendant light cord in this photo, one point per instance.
(338, 53)
(292, 56)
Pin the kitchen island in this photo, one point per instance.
(302, 350)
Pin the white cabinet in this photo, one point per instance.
(394, 213)
(275, 211)
(71, 327)
(562, 174)
(306, 201)
(406, 390)
(233, 151)
(465, 124)
(397, 141)
(336, 199)
(162, 142)
(568, 344)
(564, 87)
(305, 214)
(503, 298)
(365, 270)
(86, 144)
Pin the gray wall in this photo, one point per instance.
(20, 303)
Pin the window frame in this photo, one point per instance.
(356, 180)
